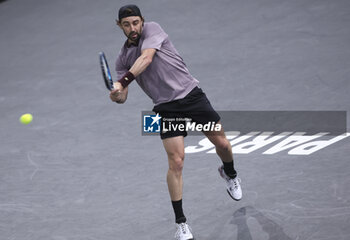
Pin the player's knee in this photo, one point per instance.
(176, 163)
(223, 146)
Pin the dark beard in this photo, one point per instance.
(135, 40)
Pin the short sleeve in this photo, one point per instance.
(154, 36)
(120, 68)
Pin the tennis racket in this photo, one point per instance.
(107, 77)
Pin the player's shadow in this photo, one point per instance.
(240, 217)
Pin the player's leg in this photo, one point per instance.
(174, 148)
(173, 142)
(223, 149)
(198, 108)
(227, 170)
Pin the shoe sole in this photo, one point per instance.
(232, 197)
(191, 239)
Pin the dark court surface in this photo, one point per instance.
(83, 171)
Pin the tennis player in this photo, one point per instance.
(149, 57)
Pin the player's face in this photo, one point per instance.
(132, 27)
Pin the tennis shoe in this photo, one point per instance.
(233, 186)
(183, 232)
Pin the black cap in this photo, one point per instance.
(129, 10)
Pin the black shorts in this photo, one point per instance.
(194, 106)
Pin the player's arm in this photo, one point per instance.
(143, 61)
(120, 92)
(138, 67)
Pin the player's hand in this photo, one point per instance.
(116, 95)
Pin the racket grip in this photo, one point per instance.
(126, 79)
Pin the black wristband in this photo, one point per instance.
(126, 79)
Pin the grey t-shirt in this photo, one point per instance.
(167, 77)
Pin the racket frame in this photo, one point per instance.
(107, 77)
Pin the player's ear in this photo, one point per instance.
(143, 21)
(118, 23)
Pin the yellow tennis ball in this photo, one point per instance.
(26, 118)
